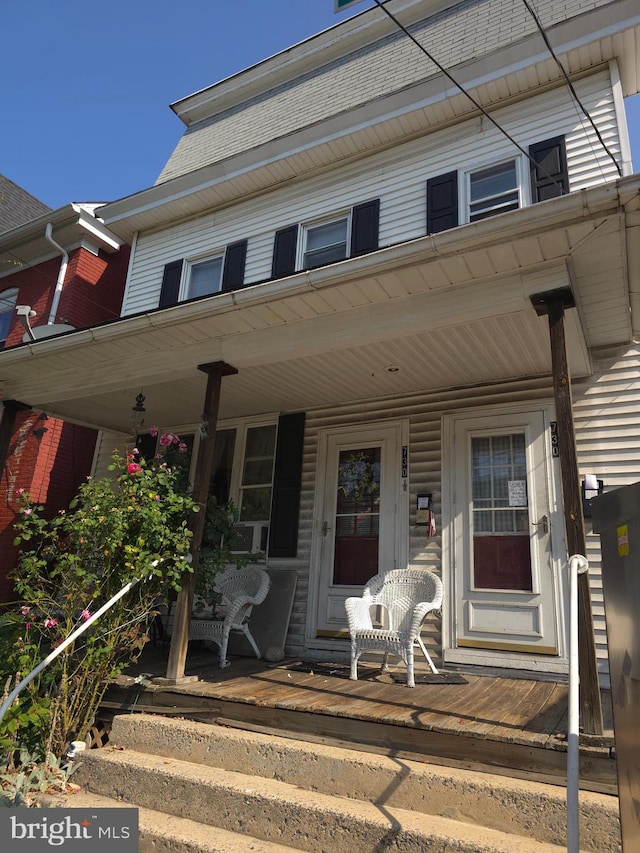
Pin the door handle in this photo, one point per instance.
(325, 528)
(543, 524)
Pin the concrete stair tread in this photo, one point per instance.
(521, 807)
(308, 820)
(165, 833)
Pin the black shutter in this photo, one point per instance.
(442, 203)
(234, 263)
(284, 252)
(170, 284)
(287, 476)
(365, 225)
(549, 175)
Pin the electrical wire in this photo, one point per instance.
(476, 104)
(569, 84)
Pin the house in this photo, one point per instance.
(65, 270)
(355, 255)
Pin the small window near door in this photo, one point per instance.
(357, 520)
(325, 243)
(254, 499)
(501, 546)
(494, 190)
(7, 308)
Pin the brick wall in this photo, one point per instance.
(93, 289)
(50, 468)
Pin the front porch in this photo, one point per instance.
(510, 725)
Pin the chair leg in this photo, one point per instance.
(385, 662)
(223, 649)
(410, 679)
(249, 637)
(427, 655)
(354, 663)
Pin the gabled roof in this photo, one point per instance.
(17, 206)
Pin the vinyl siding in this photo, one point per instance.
(606, 412)
(398, 177)
(606, 409)
(460, 34)
(424, 413)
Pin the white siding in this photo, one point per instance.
(607, 419)
(424, 413)
(458, 35)
(608, 439)
(397, 177)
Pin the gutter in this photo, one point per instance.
(593, 203)
(61, 274)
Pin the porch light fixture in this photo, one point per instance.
(591, 488)
(139, 406)
(40, 431)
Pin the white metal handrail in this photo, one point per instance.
(577, 566)
(59, 649)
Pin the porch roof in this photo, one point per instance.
(449, 310)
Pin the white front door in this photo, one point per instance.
(357, 519)
(505, 571)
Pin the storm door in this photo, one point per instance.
(357, 534)
(505, 587)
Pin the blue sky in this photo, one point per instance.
(87, 86)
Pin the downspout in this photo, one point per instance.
(61, 274)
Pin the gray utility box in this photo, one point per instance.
(616, 517)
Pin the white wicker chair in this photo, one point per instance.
(407, 596)
(241, 589)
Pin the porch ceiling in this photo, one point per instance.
(448, 311)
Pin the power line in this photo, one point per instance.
(476, 104)
(570, 85)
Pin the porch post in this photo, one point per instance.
(7, 425)
(553, 304)
(180, 636)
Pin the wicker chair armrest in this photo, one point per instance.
(358, 613)
(419, 614)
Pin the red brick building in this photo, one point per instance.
(65, 271)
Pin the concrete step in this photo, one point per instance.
(522, 808)
(282, 813)
(164, 833)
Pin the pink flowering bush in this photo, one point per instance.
(135, 524)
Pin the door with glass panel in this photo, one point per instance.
(504, 567)
(357, 529)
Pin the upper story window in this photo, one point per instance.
(495, 189)
(7, 308)
(222, 271)
(204, 277)
(456, 197)
(325, 243)
(316, 244)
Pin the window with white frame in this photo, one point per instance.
(204, 277)
(495, 189)
(7, 307)
(243, 472)
(254, 492)
(325, 242)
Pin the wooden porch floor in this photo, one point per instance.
(510, 725)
